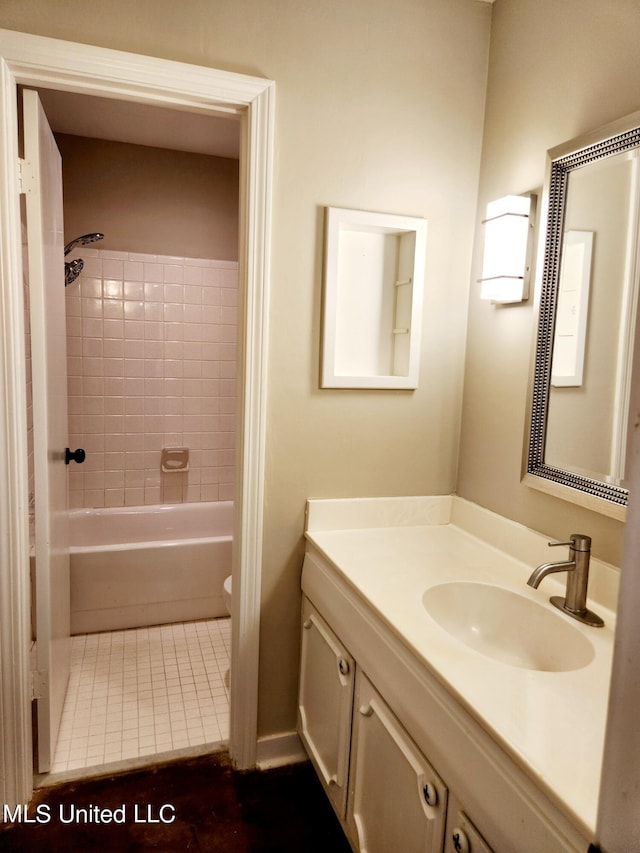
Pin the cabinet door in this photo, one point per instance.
(396, 799)
(324, 704)
(461, 835)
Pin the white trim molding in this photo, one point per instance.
(15, 711)
(280, 750)
(43, 62)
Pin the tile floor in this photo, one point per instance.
(144, 691)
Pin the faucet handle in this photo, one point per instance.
(578, 541)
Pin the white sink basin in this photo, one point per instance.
(507, 627)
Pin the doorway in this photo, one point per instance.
(38, 62)
(151, 343)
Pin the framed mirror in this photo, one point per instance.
(373, 288)
(582, 391)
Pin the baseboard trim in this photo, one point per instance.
(278, 750)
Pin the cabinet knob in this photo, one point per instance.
(460, 841)
(430, 794)
(343, 666)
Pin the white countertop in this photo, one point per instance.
(551, 723)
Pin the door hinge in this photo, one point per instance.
(26, 176)
(39, 684)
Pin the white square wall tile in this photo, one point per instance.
(144, 318)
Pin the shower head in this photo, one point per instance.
(72, 270)
(83, 241)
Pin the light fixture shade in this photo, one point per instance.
(505, 268)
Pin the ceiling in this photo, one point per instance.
(141, 124)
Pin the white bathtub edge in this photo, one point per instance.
(151, 543)
(146, 615)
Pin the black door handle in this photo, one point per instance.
(74, 456)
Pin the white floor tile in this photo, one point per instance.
(144, 691)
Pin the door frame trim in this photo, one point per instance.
(38, 61)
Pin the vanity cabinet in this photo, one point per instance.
(325, 704)
(497, 735)
(396, 799)
(385, 791)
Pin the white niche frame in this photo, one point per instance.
(373, 293)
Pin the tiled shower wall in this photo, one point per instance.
(151, 351)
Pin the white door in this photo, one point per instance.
(324, 704)
(397, 802)
(42, 183)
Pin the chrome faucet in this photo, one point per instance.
(577, 568)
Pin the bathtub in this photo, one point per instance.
(149, 565)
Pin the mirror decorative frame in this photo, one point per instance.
(618, 137)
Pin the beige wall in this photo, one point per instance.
(557, 69)
(379, 107)
(149, 199)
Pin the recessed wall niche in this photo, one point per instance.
(373, 289)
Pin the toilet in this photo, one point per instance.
(226, 593)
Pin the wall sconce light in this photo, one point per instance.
(507, 249)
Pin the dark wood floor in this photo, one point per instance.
(211, 807)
